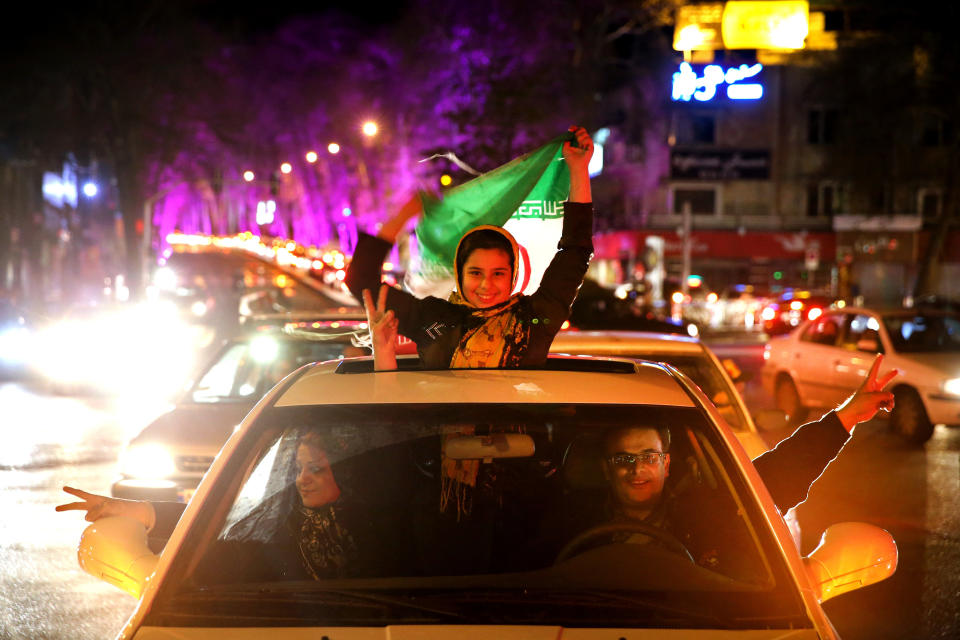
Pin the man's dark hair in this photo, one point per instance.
(663, 432)
(482, 239)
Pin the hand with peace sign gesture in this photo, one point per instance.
(869, 398)
(383, 329)
(97, 506)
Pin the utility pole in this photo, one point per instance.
(687, 224)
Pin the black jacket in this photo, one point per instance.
(436, 326)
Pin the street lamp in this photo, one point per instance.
(311, 156)
(90, 189)
(370, 128)
(286, 167)
(333, 148)
(248, 176)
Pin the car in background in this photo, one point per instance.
(15, 340)
(216, 285)
(597, 308)
(167, 459)
(825, 359)
(792, 308)
(490, 561)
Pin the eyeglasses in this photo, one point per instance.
(624, 460)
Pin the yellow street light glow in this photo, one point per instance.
(333, 148)
(446, 180)
(286, 167)
(370, 128)
(311, 156)
(752, 24)
(249, 176)
(690, 37)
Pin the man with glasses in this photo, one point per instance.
(636, 466)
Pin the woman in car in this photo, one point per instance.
(484, 324)
(321, 532)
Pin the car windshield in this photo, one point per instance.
(247, 369)
(401, 514)
(924, 333)
(225, 275)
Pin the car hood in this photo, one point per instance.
(472, 632)
(196, 426)
(946, 363)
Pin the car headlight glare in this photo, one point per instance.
(952, 386)
(148, 461)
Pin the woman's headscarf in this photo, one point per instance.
(497, 338)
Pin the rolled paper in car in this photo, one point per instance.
(115, 550)
(495, 445)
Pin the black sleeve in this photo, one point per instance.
(790, 468)
(563, 276)
(365, 273)
(167, 516)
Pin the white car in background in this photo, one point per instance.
(394, 440)
(824, 360)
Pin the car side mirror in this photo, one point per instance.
(869, 345)
(115, 550)
(851, 555)
(770, 420)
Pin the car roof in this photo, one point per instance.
(623, 343)
(564, 379)
(897, 311)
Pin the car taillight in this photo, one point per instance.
(814, 313)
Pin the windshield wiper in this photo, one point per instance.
(585, 598)
(263, 590)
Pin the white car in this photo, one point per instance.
(823, 361)
(451, 490)
(168, 457)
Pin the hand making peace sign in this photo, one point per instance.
(869, 398)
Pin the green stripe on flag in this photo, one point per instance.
(530, 186)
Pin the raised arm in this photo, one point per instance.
(789, 469)
(577, 155)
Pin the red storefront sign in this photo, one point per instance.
(762, 245)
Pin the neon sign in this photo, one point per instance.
(687, 85)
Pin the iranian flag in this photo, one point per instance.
(524, 196)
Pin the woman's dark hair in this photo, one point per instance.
(482, 239)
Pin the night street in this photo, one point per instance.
(915, 494)
(440, 317)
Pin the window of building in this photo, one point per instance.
(696, 128)
(822, 126)
(826, 198)
(929, 202)
(934, 131)
(704, 200)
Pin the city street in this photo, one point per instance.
(51, 441)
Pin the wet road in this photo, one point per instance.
(51, 441)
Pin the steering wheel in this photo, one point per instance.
(664, 538)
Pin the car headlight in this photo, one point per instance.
(952, 386)
(147, 461)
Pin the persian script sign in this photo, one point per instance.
(719, 165)
(540, 209)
